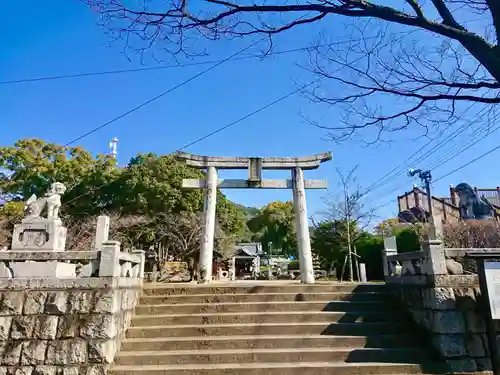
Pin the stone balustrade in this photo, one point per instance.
(440, 289)
(107, 262)
(64, 312)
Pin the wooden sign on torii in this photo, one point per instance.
(255, 165)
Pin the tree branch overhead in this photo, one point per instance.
(451, 62)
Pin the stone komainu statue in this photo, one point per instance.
(51, 199)
(470, 206)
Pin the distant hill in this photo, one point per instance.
(249, 211)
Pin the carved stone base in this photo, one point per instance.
(42, 269)
(39, 234)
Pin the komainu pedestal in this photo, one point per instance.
(39, 234)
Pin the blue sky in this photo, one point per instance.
(62, 37)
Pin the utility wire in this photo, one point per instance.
(222, 128)
(391, 175)
(147, 102)
(461, 148)
(270, 104)
(454, 170)
(468, 163)
(218, 130)
(196, 63)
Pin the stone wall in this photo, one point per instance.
(444, 300)
(66, 327)
(451, 317)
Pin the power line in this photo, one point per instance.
(145, 69)
(453, 171)
(384, 179)
(218, 130)
(458, 132)
(390, 175)
(445, 141)
(469, 163)
(456, 169)
(147, 102)
(222, 128)
(462, 149)
(270, 104)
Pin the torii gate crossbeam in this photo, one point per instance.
(255, 165)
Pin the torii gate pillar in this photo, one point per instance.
(255, 166)
(302, 227)
(208, 231)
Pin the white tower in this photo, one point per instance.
(113, 145)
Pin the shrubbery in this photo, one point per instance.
(472, 233)
(464, 234)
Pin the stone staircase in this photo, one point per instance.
(269, 329)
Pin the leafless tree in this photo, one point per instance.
(179, 234)
(348, 204)
(80, 233)
(129, 230)
(422, 57)
(349, 208)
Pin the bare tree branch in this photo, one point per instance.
(425, 78)
(446, 15)
(416, 7)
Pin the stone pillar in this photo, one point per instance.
(232, 270)
(303, 238)
(362, 273)
(207, 238)
(138, 269)
(390, 248)
(101, 231)
(434, 257)
(110, 259)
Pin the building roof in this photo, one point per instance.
(252, 249)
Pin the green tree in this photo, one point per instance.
(152, 184)
(31, 165)
(370, 247)
(407, 234)
(275, 223)
(407, 240)
(149, 186)
(329, 243)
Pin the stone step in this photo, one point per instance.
(300, 328)
(261, 317)
(296, 368)
(236, 307)
(212, 356)
(261, 287)
(269, 341)
(261, 297)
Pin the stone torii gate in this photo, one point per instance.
(255, 166)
